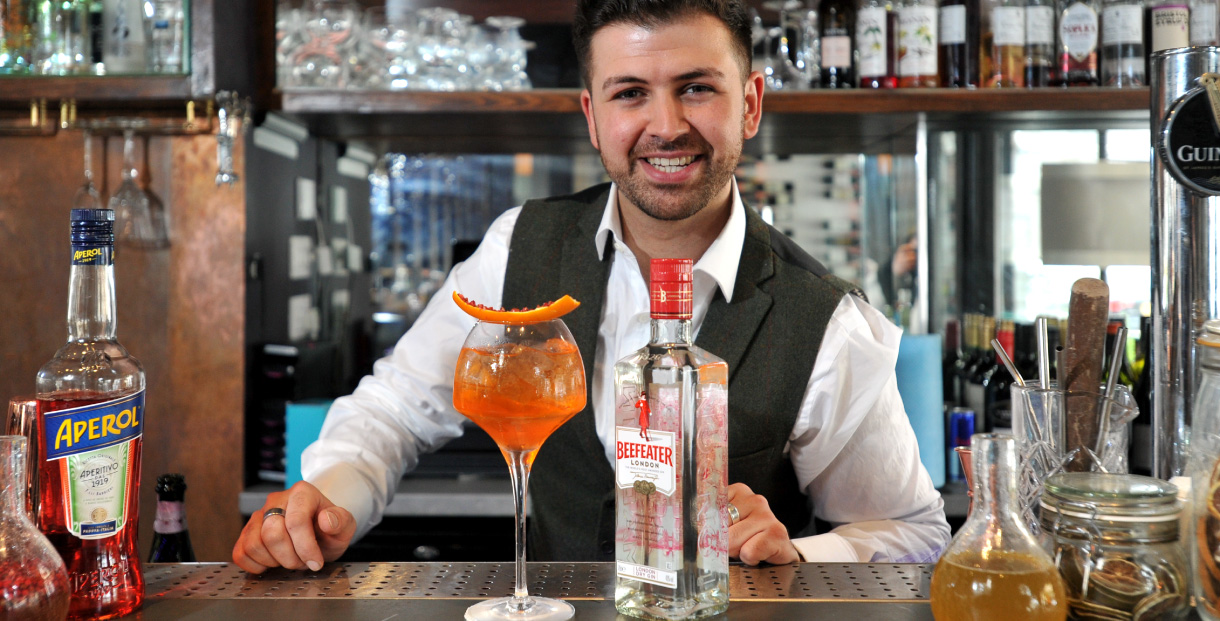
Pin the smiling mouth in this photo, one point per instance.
(670, 164)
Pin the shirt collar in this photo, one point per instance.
(719, 261)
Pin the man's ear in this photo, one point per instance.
(753, 108)
(586, 105)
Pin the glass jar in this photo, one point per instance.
(1114, 538)
(1203, 467)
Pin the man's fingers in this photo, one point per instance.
(250, 553)
(737, 490)
(244, 561)
(299, 523)
(336, 527)
(279, 543)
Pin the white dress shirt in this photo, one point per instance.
(852, 446)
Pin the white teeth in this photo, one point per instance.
(670, 164)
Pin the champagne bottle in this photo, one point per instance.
(171, 540)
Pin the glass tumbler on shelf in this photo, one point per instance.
(35, 583)
(321, 61)
(1204, 470)
(442, 50)
(519, 382)
(994, 567)
(509, 53)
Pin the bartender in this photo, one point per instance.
(817, 427)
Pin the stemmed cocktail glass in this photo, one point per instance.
(519, 382)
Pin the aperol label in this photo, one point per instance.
(645, 455)
(94, 446)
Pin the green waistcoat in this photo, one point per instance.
(769, 334)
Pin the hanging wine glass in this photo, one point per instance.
(87, 197)
(132, 220)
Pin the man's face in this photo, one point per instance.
(669, 110)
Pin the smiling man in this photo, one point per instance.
(816, 425)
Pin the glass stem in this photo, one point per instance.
(88, 156)
(520, 471)
(129, 154)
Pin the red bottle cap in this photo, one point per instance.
(670, 288)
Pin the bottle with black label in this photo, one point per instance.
(837, 31)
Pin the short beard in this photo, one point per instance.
(653, 202)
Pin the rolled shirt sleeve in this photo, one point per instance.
(855, 454)
(405, 408)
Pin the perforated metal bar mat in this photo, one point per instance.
(806, 581)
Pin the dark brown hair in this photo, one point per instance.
(593, 15)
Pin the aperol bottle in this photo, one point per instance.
(993, 568)
(90, 426)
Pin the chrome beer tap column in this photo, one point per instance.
(1185, 257)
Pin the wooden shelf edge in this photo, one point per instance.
(848, 102)
(132, 90)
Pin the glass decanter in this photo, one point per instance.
(994, 568)
(33, 582)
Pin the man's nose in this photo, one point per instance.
(668, 120)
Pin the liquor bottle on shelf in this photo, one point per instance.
(1122, 43)
(917, 39)
(875, 44)
(1166, 25)
(997, 399)
(952, 354)
(91, 422)
(1141, 427)
(836, 30)
(969, 359)
(1077, 41)
(1039, 42)
(1004, 43)
(171, 540)
(958, 49)
(975, 394)
(123, 37)
(1203, 23)
(671, 469)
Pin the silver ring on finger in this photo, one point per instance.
(734, 514)
(273, 511)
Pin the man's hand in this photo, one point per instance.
(312, 530)
(758, 536)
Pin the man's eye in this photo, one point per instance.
(699, 88)
(630, 93)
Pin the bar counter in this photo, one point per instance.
(441, 591)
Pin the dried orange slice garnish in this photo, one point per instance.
(545, 312)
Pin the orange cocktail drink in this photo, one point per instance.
(519, 376)
(520, 394)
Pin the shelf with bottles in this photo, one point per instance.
(549, 120)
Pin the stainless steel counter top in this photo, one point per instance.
(401, 591)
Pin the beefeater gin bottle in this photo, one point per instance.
(671, 464)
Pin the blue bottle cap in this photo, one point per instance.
(92, 227)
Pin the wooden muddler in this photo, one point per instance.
(1086, 343)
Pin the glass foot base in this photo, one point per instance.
(535, 609)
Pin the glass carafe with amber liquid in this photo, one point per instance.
(90, 428)
(994, 568)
